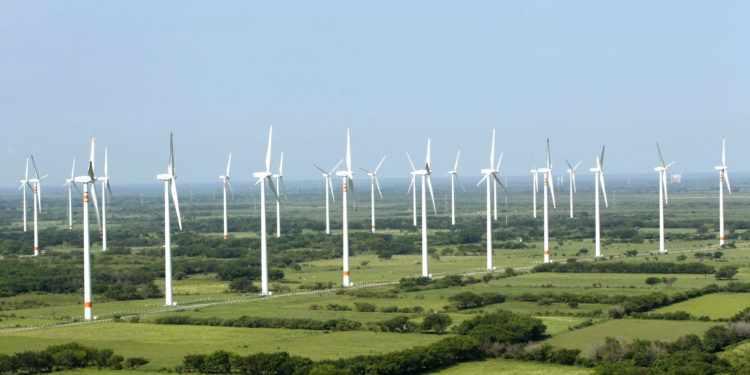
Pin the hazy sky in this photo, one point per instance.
(582, 73)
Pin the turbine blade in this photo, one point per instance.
(230, 188)
(173, 188)
(573, 177)
(27, 169)
(459, 182)
(492, 151)
(330, 185)
(604, 189)
(91, 155)
(381, 163)
(273, 189)
(72, 171)
(532, 159)
(268, 151)
(109, 188)
(552, 190)
(726, 178)
(601, 160)
(664, 179)
(281, 165)
(354, 196)
(549, 163)
(455, 167)
(497, 169)
(574, 168)
(723, 151)
(105, 162)
(39, 195)
(497, 179)
(429, 185)
(96, 205)
(348, 151)
(229, 163)
(76, 186)
(569, 166)
(412, 164)
(411, 184)
(334, 168)
(283, 187)
(669, 165)
(367, 171)
(483, 178)
(171, 157)
(427, 160)
(378, 185)
(321, 169)
(36, 173)
(661, 159)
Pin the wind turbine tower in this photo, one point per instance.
(535, 186)
(454, 177)
(169, 186)
(105, 186)
(599, 176)
(267, 176)
(663, 198)
(348, 180)
(374, 182)
(329, 187)
(280, 182)
(548, 183)
(37, 189)
(86, 180)
(492, 176)
(572, 181)
(225, 179)
(723, 175)
(24, 184)
(70, 182)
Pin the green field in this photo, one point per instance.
(715, 306)
(629, 329)
(504, 366)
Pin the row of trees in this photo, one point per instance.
(65, 357)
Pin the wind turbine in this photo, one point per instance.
(374, 182)
(86, 180)
(348, 180)
(425, 173)
(492, 176)
(329, 186)
(226, 182)
(723, 175)
(70, 182)
(24, 184)
(599, 176)
(169, 186)
(105, 185)
(454, 176)
(547, 183)
(572, 181)
(662, 196)
(280, 182)
(535, 186)
(261, 176)
(37, 203)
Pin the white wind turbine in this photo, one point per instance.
(226, 182)
(723, 175)
(374, 182)
(86, 180)
(662, 196)
(329, 186)
(169, 186)
(348, 180)
(105, 185)
(261, 176)
(492, 176)
(37, 181)
(71, 182)
(599, 176)
(535, 186)
(547, 183)
(280, 183)
(572, 181)
(426, 173)
(24, 184)
(454, 176)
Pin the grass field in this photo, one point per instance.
(508, 367)
(165, 345)
(715, 306)
(629, 329)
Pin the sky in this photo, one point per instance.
(625, 74)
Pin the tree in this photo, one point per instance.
(365, 263)
(436, 322)
(653, 281)
(726, 272)
(631, 253)
(669, 281)
(243, 285)
(718, 254)
(682, 257)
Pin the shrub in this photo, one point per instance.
(436, 322)
(365, 307)
(726, 272)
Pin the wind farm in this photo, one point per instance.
(635, 272)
